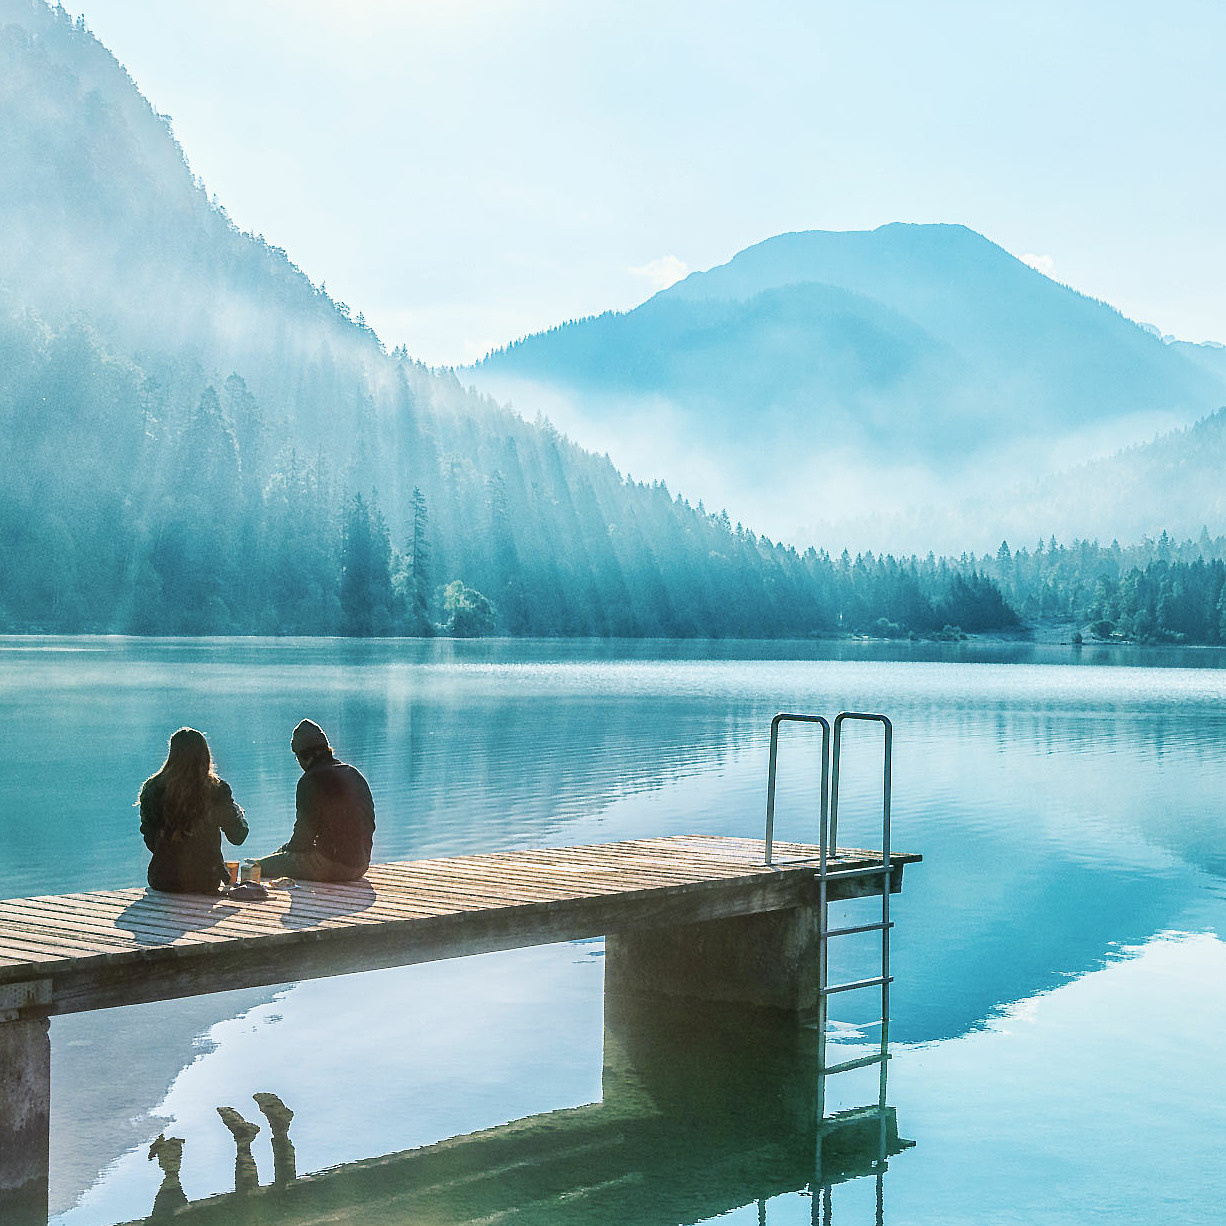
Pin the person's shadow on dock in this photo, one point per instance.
(160, 919)
(313, 901)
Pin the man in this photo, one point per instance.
(335, 816)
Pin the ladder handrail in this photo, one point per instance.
(788, 717)
(888, 728)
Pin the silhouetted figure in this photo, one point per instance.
(278, 1115)
(246, 1177)
(184, 810)
(334, 826)
(169, 1154)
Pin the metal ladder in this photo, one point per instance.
(828, 851)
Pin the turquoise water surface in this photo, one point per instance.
(1057, 1025)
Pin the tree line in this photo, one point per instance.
(1158, 590)
(125, 509)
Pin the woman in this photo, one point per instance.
(184, 810)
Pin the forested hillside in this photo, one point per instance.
(196, 439)
(1172, 483)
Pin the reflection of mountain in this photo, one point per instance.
(699, 1115)
(1023, 923)
(923, 352)
(1023, 889)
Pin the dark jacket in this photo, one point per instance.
(335, 813)
(191, 863)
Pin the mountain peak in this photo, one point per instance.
(889, 263)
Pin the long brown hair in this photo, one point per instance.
(188, 782)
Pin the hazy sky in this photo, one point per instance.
(466, 171)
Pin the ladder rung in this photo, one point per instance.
(876, 1021)
(874, 870)
(847, 1065)
(846, 932)
(879, 981)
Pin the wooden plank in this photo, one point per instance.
(66, 944)
(460, 889)
(16, 961)
(479, 879)
(490, 889)
(47, 922)
(325, 908)
(82, 918)
(171, 916)
(555, 868)
(598, 873)
(84, 921)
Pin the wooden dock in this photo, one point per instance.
(74, 952)
(692, 918)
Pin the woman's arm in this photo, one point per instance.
(230, 817)
(150, 817)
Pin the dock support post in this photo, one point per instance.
(768, 960)
(25, 1114)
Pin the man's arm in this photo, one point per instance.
(305, 821)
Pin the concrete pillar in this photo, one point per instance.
(767, 960)
(25, 1112)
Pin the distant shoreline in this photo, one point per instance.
(1030, 634)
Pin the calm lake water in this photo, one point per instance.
(1058, 1014)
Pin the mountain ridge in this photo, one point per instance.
(1017, 375)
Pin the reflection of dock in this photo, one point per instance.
(697, 1117)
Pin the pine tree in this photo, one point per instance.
(366, 579)
(418, 594)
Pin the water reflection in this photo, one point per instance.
(279, 1117)
(168, 1151)
(701, 1112)
(169, 1154)
(246, 1176)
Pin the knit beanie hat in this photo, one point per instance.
(308, 738)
